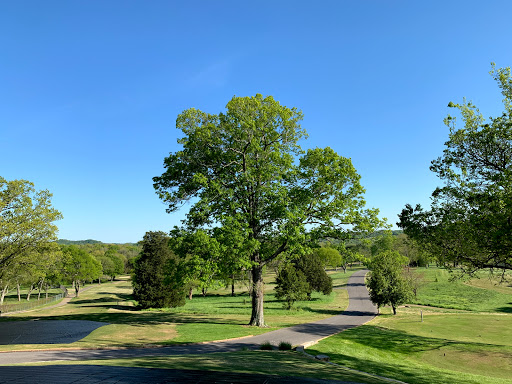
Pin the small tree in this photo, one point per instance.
(291, 285)
(387, 283)
(317, 278)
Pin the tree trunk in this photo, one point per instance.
(204, 290)
(77, 287)
(99, 280)
(30, 291)
(394, 309)
(232, 285)
(18, 291)
(190, 291)
(2, 295)
(257, 318)
(40, 288)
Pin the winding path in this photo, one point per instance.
(359, 311)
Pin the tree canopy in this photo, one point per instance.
(387, 282)
(470, 220)
(27, 229)
(243, 171)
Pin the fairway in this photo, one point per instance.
(216, 316)
(469, 340)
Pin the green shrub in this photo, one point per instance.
(284, 346)
(266, 346)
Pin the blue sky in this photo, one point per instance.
(90, 90)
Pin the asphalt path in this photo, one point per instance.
(359, 311)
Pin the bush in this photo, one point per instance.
(284, 346)
(266, 346)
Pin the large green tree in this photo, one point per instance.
(470, 220)
(243, 170)
(27, 229)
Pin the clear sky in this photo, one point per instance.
(90, 90)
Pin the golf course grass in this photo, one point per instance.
(464, 336)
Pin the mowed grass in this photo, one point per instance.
(480, 295)
(260, 362)
(217, 316)
(467, 340)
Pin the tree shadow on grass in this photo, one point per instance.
(505, 309)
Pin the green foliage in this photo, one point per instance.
(78, 266)
(240, 170)
(156, 279)
(292, 285)
(386, 282)
(284, 346)
(27, 232)
(311, 266)
(329, 256)
(469, 220)
(116, 264)
(266, 346)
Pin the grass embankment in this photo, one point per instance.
(214, 317)
(469, 340)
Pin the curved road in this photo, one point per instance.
(359, 311)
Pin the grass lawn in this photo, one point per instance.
(480, 295)
(214, 317)
(467, 340)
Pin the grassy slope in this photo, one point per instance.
(449, 346)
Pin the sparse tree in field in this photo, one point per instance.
(244, 171)
(78, 266)
(469, 223)
(116, 268)
(157, 279)
(387, 282)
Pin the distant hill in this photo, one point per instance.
(78, 242)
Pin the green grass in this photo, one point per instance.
(217, 316)
(262, 362)
(457, 347)
(439, 291)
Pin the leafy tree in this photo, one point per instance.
(311, 266)
(155, 279)
(470, 220)
(387, 283)
(291, 285)
(200, 258)
(78, 266)
(117, 266)
(329, 256)
(27, 231)
(242, 172)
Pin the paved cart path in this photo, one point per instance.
(359, 311)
